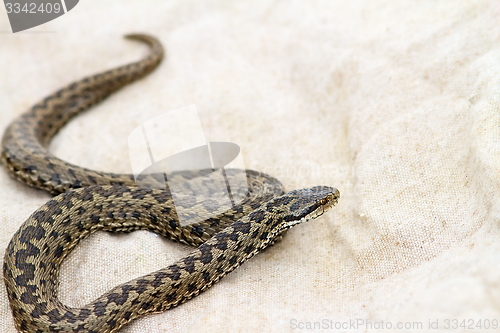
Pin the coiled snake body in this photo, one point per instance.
(92, 201)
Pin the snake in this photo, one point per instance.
(86, 201)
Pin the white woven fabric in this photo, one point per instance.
(395, 103)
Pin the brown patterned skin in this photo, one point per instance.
(92, 201)
(35, 253)
(25, 142)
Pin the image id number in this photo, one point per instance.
(470, 324)
(32, 8)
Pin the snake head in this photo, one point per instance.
(309, 203)
(299, 206)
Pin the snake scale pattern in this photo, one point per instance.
(87, 201)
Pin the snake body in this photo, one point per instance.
(25, 142)
(88, 201)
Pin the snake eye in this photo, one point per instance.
(323, 202)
